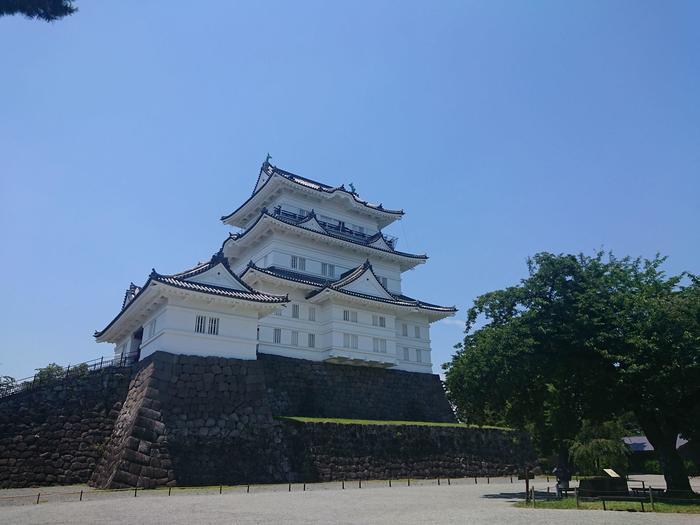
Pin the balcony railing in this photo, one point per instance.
(69, 372)
(337, 229)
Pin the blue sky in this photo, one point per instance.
(502, 128)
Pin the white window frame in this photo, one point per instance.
(295, 338)
(350, 316)
(277, 335)
(200, 324)
(419, 355)
(406, 353)
(298, 263)
(312, 313)
(404, 329)
(213, 326)
(312, 340)
(295, 311)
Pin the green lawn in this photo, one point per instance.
(381, 422)
(570, 503)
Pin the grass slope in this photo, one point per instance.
(342, 421)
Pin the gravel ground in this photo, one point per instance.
(423, 502)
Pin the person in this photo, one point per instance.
(563, 477)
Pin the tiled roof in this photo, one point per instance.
(299, 224)
(345, 279)
(178, 281)
(271, 170)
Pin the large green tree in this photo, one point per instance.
(585, 338)
(48, 10)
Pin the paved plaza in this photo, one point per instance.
(423, 502)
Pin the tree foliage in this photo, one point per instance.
(585, 338)
(599, 446)
(48, 10)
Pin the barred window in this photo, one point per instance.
(312, 340)
(350, 340)
(406, 354)
(404, 330)
(295, 311)
(312, 313)
(295, 338)
(379, 320)
(214, 325)
(416, 332)
(350, 315)
(328, 269)
(379, 345)
(277, 335)
(200, 324)
(419, 355)
(298, 263)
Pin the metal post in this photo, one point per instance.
(304, 487)
(221, 489)
(533, 497)
(343, 484)
(577, 498)
(135, 489)
(101, 359)
(448, 481)
(604, 505)
(389, 482)
(359, 483)
(408, 482)
(488, 480)
(527, 486)
(290, 487)
(169, 489)
(651, 498)
(475, 481)
(247, 490)
(81, 495)
(37, 498)
(438, 482)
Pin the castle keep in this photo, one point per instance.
(301, 313)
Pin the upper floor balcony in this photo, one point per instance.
(333, 226)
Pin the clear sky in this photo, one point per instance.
(502, 128)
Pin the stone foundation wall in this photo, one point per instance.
(56, 433)
(332, 451)
(186, 420)
(314, 389)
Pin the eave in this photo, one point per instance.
(405, 260)
(281, 181)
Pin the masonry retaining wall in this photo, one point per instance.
(186, 420)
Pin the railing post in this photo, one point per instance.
(651, 498)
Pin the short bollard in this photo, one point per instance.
(438, 482)
(389, 483)
(359, 483)
(448, 481)
(247, 489)
(290, 487)
(304, 487)
(343, 484)
(81, 495)
(511, 478)
(169, 490)
(135, 489)
(37, 498)
(488, 480)
(476, 481)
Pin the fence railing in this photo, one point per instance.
(52, 374)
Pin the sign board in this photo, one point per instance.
(610, 472)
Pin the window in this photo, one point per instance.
(406, 354)
(416, 332)
(277, 335)
(379, 320)
(151, 329)
(379, 345)
(214, 325)
(312, 313)
(303, 212)
(349, 340)
(404, 330)
(328, 269)
(295, 338)
(278, 312)
(200, 324)
(350, 315)
(295, 311)
(419, 356)
(312, 340)
(298, 263)
(384, 281)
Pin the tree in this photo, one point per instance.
(7, 384)
(49, 372)
(585, 338)
(48, 10)
(599, 446)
